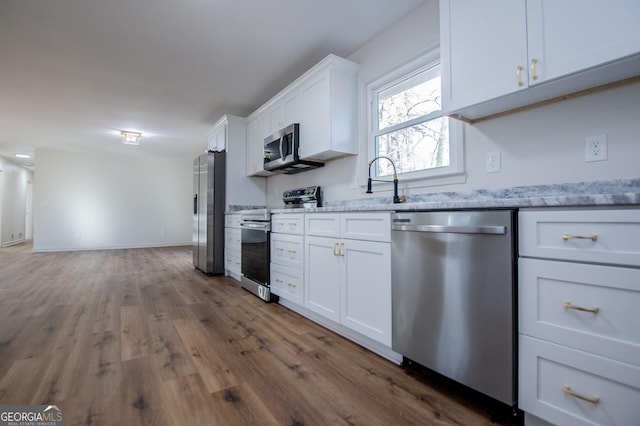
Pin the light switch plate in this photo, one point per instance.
(493, 162)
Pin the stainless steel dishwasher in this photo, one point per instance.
(453, 296)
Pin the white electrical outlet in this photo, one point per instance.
(595, 148)
(493, 162)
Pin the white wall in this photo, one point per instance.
(540, 146)
(13, 201)
(88, 201)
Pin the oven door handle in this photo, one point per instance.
(256, 226)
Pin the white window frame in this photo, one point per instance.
(454, 172)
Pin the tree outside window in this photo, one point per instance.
(407, 122)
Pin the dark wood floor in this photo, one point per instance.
(138, 336)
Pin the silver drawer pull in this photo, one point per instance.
(567, 237)
(568, 305)
(591, 399)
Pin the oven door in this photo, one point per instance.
(255, 251)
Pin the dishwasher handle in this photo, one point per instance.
(451, 229)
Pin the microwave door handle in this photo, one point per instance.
(281, 153)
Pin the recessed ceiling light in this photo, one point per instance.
(23, 156)
(131, 138)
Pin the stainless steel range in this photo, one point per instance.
(311, 196)
(255, 246)
(255, 228)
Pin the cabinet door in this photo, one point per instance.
(573, 35)
(287, 283)
(366, 289)
(483, 50)
(322, 277)
(587, 307)
(315, 122)
(322, 224)
(569, 387)
(217, 140)
(366, 226)
(287, 250)
(598, 236)
(291, 109)
(255, 147)
(288, 223)
(232, 220)
(276, 118)
(232, 240)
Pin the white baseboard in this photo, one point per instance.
(13, 243)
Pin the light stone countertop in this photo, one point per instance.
(582, 194)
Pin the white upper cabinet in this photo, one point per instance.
(255, 145)
(217, 138)
(328, 110)
(484, 50)
(504, 54)
(572, 35)
(323, 101)
(283, 113)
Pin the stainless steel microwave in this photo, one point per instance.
(281, 152)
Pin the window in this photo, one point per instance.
(407, 124)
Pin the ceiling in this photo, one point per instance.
(73, 73)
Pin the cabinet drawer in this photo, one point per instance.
(288, 223)
(600, 236)
(549, 372)
(366, 226)
(287, 250)
(322, 224)
(232, 261)
(287, 283)
(232, 221)
(232, 238)
(545, 287)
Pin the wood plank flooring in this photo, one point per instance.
(139, 337)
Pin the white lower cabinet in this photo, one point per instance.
(579, 324)
(232, 247)
(322, 277)
(287, 257)
(287, 283)
(366, 289)
(349, 281)
(570, 387)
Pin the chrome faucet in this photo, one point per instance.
(396, 198)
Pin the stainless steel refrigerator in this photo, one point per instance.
(208, 212)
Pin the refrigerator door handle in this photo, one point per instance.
(195, 203)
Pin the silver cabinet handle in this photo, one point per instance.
(335, 249)
(446, 229)
(567, 237)
(568, 305)
(591, 399)
(534, 76)
(341, 253)
(519, 69)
